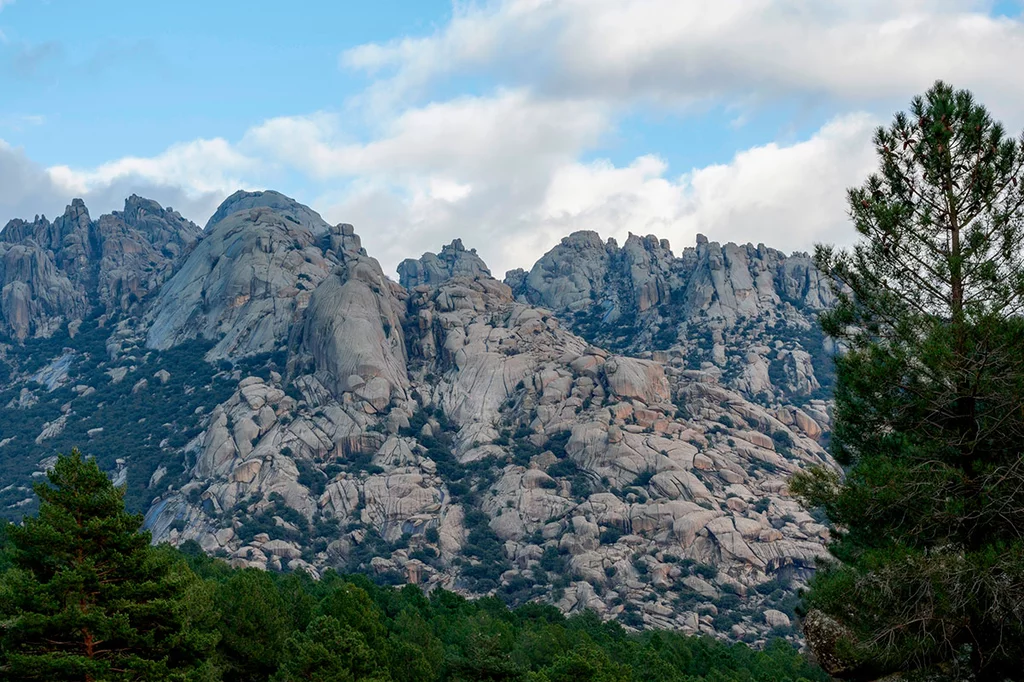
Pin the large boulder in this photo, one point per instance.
(35, 296)
(352, 332)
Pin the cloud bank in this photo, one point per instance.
(509, 165)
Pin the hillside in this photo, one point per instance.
(611, 431)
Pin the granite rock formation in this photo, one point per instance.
(55, 273)
(271, 395)
(747, 313)
(434, 269)
(249, 279)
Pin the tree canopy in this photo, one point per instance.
(929, 417)
(86, 597)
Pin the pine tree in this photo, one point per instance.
(329, 651)
(929, 423)
(87, 597)
(254, 626)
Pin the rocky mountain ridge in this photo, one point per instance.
(746, 313)
(53, 273)
(283, 403)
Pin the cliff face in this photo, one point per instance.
(54, 273)
(283, 403)
(249, 279)
(745, 313)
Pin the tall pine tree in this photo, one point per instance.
(87, 597)
(929, 560)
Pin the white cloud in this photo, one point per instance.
(511, 195)
(25, 187)
(609, 57)
(28, 189)
(679, 51)
(503, 169)
(503, 134)
(786, 196)
(201, 166)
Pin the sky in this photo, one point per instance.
(507, 123)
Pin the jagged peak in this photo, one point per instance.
(345, 243)
(17, 230)
(432, 269)
(76, 213)
(648, 242)
(76, 217)
(455, 247)
(592, 240)
(585, 239)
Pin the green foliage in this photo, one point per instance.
(254, 625)
(556, 443)
(610, 535)
(289, 627)
(147, 427)
(929, 562)
(485, 550)
(328, 652)
(563, 468)
(643, 478)
(87, 598)
(310, 477)
(264, 522)
(706, 571)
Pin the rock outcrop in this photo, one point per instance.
(249, 279)
(746, 312)
(434, 269)
(55, 273)
(352, 333)
(611, 431)
(449, 411)
(35, 296)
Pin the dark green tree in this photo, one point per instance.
(484, 644)
(254, 626)
(587, 663)
(415, 652)
(329, 651)
(87, 598)
(929, 561)
(5, 555)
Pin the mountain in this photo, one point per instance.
(612, 430)
(746, 314)
(53, 273)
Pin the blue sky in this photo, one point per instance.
(112, 78)
(508, 123)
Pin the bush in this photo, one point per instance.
(706, 571)
(610, 535)
(643, 478)
(782, 439)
